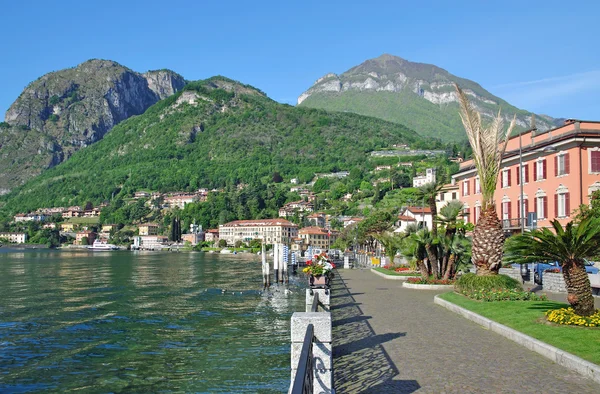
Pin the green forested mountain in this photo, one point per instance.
(420, 96)
(63, 111)
(213, 133)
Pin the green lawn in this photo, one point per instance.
(528, 318)
(394, 273)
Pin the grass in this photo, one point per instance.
(83, 220)
(528, 318)
(394, 273)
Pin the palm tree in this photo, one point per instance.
(422, 249)
(428, 192)
(391, 243)
(569, 246)
(448, 217)
(489, 144)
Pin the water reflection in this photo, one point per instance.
(141, 322)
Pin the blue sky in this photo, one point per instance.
(542, 56)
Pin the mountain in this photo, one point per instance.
(213, 133)
(66, 110)
(420, 96)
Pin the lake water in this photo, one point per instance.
(141, 322)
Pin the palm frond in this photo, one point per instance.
(484, 141)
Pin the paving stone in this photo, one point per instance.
(388, 339)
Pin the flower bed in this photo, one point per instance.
(430, 281)
(503, 295)
(568, 317)
(393, 272)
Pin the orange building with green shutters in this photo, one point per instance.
(561, 168)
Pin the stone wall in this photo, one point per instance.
(554, 282)
(512, 272)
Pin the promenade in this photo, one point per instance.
(388, 339)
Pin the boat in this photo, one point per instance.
(102, 246)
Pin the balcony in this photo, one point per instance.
(513, 224)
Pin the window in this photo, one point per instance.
(539, 170)
(506, 210)
(561, 204)
(466, 215)
(477, 213)
(454, 195)
(561, 164)
(525, 209)
(477, 186)
(541, 207)
(506, 178)
(524, 174)
(595, 161)
(466, 188)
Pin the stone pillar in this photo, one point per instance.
(322, 356)
(324, 295)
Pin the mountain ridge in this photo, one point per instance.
(72, 108)
(213, 133)
(402, 89)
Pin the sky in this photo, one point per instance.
(541, 56)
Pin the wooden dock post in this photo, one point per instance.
(265, 268)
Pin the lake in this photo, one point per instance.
(142, 322)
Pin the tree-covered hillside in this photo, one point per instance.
(214, 133)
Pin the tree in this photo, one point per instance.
(391, 243)
(320, 185)
(450, 245)
(222, 243)
(277, 177)
(488, 238)
(569, 246)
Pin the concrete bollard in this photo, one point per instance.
(322, 355)
(346, 262)
(324, 298)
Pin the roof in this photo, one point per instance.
(312, 230)
(405, 218)
(147, 225)
(316, 215)
(259, 222)
(419, 210)
(213, 231)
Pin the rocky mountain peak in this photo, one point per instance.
(416, 86)
(77, 106)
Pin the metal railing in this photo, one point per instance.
(303, 381)
(315, 303)
(513, 223)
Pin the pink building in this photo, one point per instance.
(561, 168)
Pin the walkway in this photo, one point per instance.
(388, 339)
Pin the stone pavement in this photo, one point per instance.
(388, 339)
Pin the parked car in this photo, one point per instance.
(539, 269)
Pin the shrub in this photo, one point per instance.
(504, 295)
(471, 282)
(567, 316)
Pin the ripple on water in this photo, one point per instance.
(141, 323)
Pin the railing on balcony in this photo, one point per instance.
(511, 224)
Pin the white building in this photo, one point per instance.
(15, 238)
(424, 179)
(268, 230)
(180, 200)
(449, 192)
(421, 216)
(149, 242)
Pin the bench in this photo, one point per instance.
(595, 283)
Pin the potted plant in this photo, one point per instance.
(320, 270)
